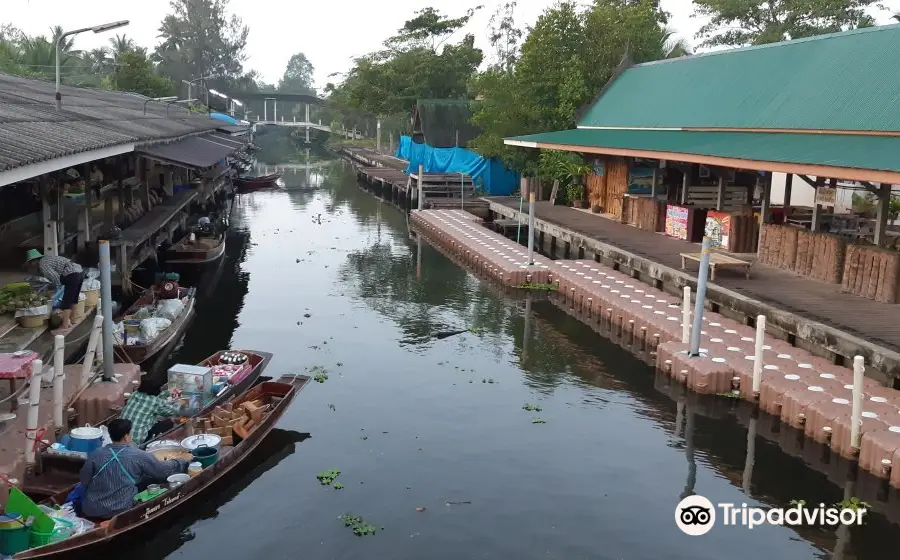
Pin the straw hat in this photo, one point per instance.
(31, 255)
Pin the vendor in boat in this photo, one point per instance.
(150, 415)
(60, 271)
(113, 475)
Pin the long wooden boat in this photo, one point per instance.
(55, 472)
(139, 353)
(253, 183)
(200, 251)
(277, 395)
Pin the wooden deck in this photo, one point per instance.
(820, 313)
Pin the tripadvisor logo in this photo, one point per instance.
(695, 515)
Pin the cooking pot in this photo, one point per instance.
(208, 440)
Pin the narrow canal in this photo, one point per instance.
(326, 276)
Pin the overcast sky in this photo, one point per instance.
(330, 32)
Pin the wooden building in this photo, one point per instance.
(688, 146)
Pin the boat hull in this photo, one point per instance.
(140, 353)
(183, 253)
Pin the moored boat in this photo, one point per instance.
(132, 342)
(264, 405)
(194, 249)
(254, 183)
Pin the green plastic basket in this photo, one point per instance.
(63, 530)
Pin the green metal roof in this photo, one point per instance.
(839, 81)
(834, 150)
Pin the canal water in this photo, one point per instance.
(430, 435)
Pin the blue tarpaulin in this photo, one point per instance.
(488, 174)
(224, 117)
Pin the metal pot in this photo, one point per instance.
(209, 440)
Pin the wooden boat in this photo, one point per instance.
(276, 397)
(55, 472)
(239, 383)
(202, 250)
(139, 353)
(245, 184)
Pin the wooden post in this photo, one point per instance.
(884, 206)
(122, 266)
(720, 195)
(788, 185)
(685, 185)
(145, 183)
(50, 240)
(653, 184)
(764, 203)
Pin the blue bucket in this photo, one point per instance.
(84, 440)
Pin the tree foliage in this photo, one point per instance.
(298, 76)
(757, 22)
(135, 73)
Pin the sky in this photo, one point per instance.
(331, 33)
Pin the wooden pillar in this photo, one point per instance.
(122, 267)
(884, 206)
(653, 185)
(50, 244)
(788, 184)
(764, 203)
(720, 195)
(84, 210)
(145, 168)
(685, 185)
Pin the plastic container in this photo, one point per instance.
(190, 379)
(13, 534)
(205, 455)
(177, 479)
(63, 530)
(84, 439)
(194, 469)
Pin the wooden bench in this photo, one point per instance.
(717, 260)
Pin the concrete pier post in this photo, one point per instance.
(686, 316)
(34, 403)
(859, 372)
(530, 226)
(59, 376)
(377, 134)
(758, 354)
(106, 298)
(93, 342)
(702, 279)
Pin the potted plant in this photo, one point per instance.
(575, 193)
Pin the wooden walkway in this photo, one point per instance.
(871, 321)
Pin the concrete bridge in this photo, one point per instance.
(294, 123)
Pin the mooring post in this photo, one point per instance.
(859, 372)
(34, 402)
(421, 187)
(93, 342)
(686, 316)
(59, 376)
(106, 302)
(702, 278)
(758, 354)
(530, 224)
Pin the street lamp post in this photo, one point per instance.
(96, 29)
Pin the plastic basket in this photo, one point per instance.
(63, 530)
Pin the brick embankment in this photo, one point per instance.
(805, 391)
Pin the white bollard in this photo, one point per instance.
(758, 355)
(93, 342)
(34, 402)
(859, 372)
(686, 316)
(59, 376)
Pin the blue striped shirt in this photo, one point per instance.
(112, 491)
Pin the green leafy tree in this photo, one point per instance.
(757, 22)
(298, 76)
(199, 38)
(137, 74)
(505, 36)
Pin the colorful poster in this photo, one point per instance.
(640, 180)
(677, 221)
(718, 228)
(599, 165)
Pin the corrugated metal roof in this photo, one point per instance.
(32, 130)
(840, 81)
(834, 150)
(198, 152)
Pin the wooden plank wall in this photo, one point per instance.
(616, 185)
(872, 273)
(820, 256)
(778, 246)
(596, 190)
(644, 213)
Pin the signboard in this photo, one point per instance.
(677, 221)
(640, 180)
(599, 166)
(718, 228)
(826, 196)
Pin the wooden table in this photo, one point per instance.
(717, 260)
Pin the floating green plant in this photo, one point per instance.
(853, 503)
(359, 526)
(327, 477)
(538, 287)
(730, 395)
(338, 486)
(531, 407)
(320, 378)
(538, 421)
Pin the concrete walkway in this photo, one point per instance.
(815, 313)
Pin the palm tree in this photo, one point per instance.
(120, 44)
(896, 17)
(97, 60)
(673, 47)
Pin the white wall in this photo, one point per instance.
(804, 195)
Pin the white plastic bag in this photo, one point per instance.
(170, 309)
(91, 274)
(152, 327)
(33, 311)
(90, 284)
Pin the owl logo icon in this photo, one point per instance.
(695, 515)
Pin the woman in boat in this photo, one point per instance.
(150, 414)
(60, 271)
(113, 475)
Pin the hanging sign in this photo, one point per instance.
(677, 221)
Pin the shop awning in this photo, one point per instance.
(841, 156)
(196, 152)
